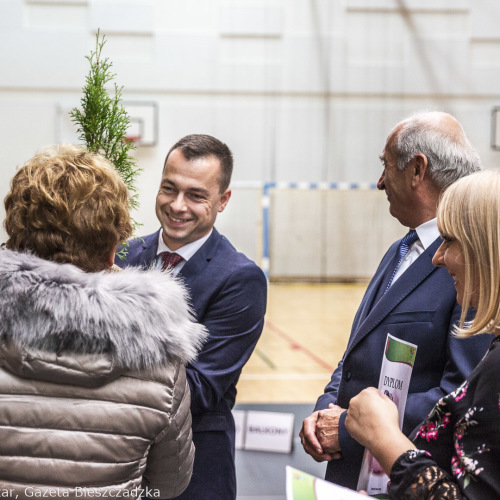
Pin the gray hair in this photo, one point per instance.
(449, 155)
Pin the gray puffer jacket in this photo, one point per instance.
(93, 393)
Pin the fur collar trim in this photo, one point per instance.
(140, 318)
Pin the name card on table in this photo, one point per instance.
(264, 430)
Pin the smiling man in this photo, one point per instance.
(227, 290)
(407, 297)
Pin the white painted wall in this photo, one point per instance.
(301, 90)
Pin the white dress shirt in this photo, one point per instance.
(427, 233)
(186, 251)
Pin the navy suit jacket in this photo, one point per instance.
(228, 293)
(420, 307)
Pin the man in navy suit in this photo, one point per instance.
(228, 293)
(408, 298)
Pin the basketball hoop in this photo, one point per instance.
(134, 132)
(136, 139)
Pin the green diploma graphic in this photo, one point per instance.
(394, 380)
(303, 486)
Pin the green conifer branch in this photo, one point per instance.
(102, 122)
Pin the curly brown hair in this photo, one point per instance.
(68, 205)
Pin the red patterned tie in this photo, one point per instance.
(169, 260)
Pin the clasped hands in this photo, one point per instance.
(320, 434)
(371, 418)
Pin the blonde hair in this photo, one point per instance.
(68, 205)
(469, 212)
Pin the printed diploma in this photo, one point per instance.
(395, 374)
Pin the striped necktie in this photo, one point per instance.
(404, 246)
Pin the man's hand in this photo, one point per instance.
(321, 424)
(327, 429)
(309, 440)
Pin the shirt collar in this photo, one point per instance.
(186, 251)
(428, 232)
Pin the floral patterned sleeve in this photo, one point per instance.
(458, 445)
(457, 451)
(416, 476)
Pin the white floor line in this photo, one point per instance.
(284, 376)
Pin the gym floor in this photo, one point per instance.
(305, 334)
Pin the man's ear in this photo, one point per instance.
(419, 169)
(224, 199)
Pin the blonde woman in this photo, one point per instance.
(456, 452)
(93, 394)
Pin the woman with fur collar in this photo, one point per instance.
(93, 393)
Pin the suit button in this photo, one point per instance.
(347, 376)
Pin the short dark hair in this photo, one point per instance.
(201, 145)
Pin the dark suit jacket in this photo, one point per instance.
(420, 307)
(228, 293)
